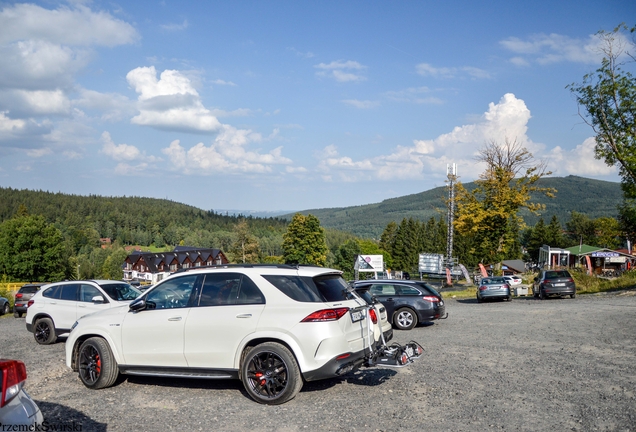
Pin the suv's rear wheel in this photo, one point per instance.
(97, 366)
(6, 309)
(270, 374)
(17, 314)
(405, 319)
(44, 331)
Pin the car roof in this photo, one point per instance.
(262, 269)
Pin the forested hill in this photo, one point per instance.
(595, 198)
(131, 220)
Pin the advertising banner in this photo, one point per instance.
(369, 263)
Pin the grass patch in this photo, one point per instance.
(586, 284)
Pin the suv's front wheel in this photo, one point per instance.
(97, 366)
(44, 331)
(270, 374)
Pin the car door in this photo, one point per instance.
(228, 310)
(86, 305)
(63, 310)
(154, 336)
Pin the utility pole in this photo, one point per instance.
(451, 174)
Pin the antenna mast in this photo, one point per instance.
(451, 173)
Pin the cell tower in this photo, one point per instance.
(451, 174)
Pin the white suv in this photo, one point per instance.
(271, 326)
(55, 307)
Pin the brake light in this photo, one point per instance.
(483, 288)
(18, 295)
(12, 375)
(506, 286)
(30, 303)
(570, 280)
(326, 315)
(431, 299)
(373, 315)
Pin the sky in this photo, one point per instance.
(290, 105)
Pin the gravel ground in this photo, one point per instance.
(558, 364)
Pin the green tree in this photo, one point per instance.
(580, 229)
(304, 242)
(32, 250)
(608, 101)
(554, 233)
(245, 249)
(112, 267)
(489, 213)
(387, 239)
(607, 232)
(345, 258)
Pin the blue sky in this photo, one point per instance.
(289, 105)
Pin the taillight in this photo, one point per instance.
(570, 280)
(18, 295)
(431, 299)
(30, 303)
(373, 315)
(483, 288)
(506, 286)
(12, 375)
(326, 315)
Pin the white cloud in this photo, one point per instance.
(170, 102)
(37, 153)
(111, 106)
(341, 71)
(223, 82)
(554, 48)
(361, 104)
(425, 158)
(176, 27)
(25, 103)
(307, 54)
(426, 69)
(226, 155)
(14, 130)
(77, 26)
(124, 152)
(578, 161)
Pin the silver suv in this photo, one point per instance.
(270, 326)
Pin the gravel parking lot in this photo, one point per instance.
(558, 364)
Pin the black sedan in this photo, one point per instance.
(407, 302)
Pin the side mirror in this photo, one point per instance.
(137, 305)
(98, 299)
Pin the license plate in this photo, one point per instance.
(356, 316)
(559, 284)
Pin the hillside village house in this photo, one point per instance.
(152, 267)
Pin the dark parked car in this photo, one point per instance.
(407, 302)
(22, 298)
(554, 282)
(495, 287)
(5, 307)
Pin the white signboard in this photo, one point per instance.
(369, 263)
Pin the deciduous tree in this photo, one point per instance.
(489, 213)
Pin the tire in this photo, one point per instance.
(96, 364)
(509, 298)
(479, 300)
(44, 331)
(405, 319)
(573, 295)
(17, 314)
(6, 309)
(270, 374)
(534, 293)
(542, 295)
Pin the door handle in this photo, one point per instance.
(81, 305)
(174, 319)
(247, 315)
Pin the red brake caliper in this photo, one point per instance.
(258, 375)
(99, 364)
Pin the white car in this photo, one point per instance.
(513, 280)
(55, 307)
(271, 326)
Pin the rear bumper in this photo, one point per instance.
(337, 366)
(494, 294)
(559, 290)
(431, 314)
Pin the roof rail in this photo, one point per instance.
(229, 266)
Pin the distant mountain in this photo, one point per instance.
(595, 198)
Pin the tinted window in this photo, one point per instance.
(69, 292)
(431, 288)
(328, 288)
(408, 290)
(229, 289)
(382, 289)
(556, 274)
(87, 292)
(29, 289)
(121, 291)
(172, 293)
(52, 292)
(492, 281)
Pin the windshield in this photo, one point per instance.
(121, 291)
